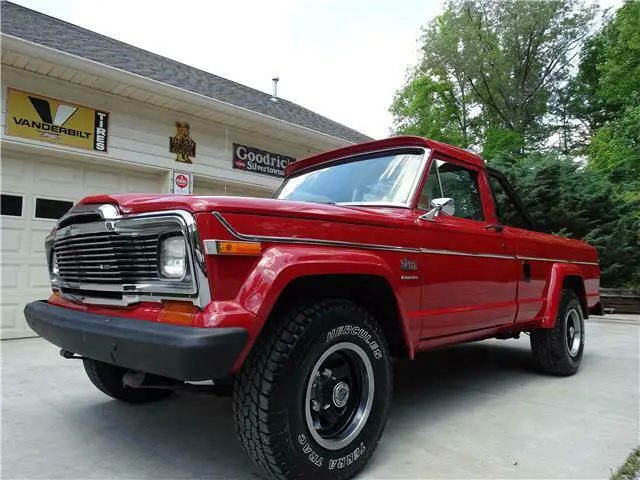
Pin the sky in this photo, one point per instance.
(341, 58)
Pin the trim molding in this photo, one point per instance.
(557, 260)
(310, 241)
(372, 246)
(467, 254)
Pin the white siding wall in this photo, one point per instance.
(139, 134)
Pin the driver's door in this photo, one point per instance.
(468, 268)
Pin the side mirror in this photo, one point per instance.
(446, 206)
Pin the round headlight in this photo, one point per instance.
(173, 258)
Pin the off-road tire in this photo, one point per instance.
(271, 390)
(549, 345)
(108, 379)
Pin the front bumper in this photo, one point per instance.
(183, 353)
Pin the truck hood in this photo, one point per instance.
(130, 204)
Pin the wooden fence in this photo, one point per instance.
(620, 301)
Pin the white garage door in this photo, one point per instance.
(34, 194)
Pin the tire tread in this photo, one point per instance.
(547, 344)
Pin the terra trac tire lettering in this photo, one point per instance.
(307, 449)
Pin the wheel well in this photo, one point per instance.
(575, 283)
(370, 291)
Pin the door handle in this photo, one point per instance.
(497, 228)
(526, 271)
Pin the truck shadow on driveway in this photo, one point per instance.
(192, 436)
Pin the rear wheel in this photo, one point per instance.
(108, 379)
(311, 399)
(559, 350)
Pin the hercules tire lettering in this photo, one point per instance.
(358, 332)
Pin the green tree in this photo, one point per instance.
(585, 102)
(502, 60)
(567, 199)
(500, 140)
(619, 82)
(428, 108)
(606, 96)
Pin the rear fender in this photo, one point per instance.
(280, 265)
(559, 272)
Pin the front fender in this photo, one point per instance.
(281, 265)
(559, 271)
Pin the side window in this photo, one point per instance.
(431, 188)
(506, 210)
(450, 180)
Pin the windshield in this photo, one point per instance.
(387, 178)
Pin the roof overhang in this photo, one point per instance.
(40, 59)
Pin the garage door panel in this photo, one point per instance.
(10, 316)
(10, 279)
(37, 237)
(12, 170)
(48, 174)
(141, 185)
(101, 181)
(38, 277)
(12, 240)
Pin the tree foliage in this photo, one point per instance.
(567, 199)
(608, 98)
(502, 76)
(501, 60)
(428, 108)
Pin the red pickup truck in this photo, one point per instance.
(300, 302)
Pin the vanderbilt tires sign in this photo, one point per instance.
(259, 161)
(34, 116)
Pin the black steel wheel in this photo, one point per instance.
(339, 395)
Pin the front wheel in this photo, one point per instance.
(311, 399)
(559, 350)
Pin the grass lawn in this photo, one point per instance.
(631, 469)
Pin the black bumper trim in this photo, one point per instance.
(183, 353)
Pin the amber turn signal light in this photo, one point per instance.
(54, 298)
(238, 248)
(177, 313)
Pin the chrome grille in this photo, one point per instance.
(113, 259)
(108, 257)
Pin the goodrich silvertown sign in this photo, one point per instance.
(255, 160)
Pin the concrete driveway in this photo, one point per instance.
(473, 411)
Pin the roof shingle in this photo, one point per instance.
(51, 32)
